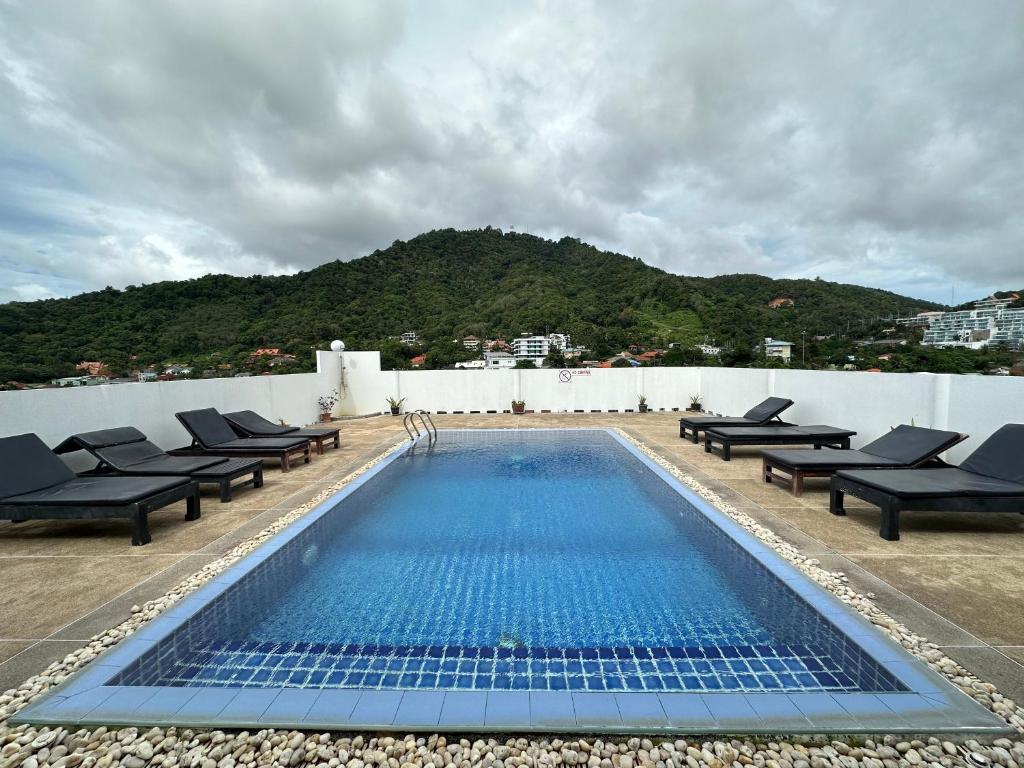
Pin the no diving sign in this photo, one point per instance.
(565, 375)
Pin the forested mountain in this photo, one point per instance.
(441, 284)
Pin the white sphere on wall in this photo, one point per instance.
(337, 345)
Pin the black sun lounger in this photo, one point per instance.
(903, 447)
(762, 413)
(815, 434)
(251, 424)
(213, 436)
(126, 451)
(989, 480)
(36, 485)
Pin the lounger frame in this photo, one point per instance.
(284, 454)
(220, 475)
(316, 436)
(727, 441)
(795, 480)
(691, 432)
(892, 505)
(136, 511)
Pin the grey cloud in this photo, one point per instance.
(865, 142)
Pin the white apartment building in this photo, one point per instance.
(409, 337)
(990, 322)
(496, 361)
(539, 346)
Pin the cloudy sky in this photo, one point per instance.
(879, 143)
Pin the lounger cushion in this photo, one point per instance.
(97, 491)
(258, 443)
(1001, 456)
(26, 464)
(207, 426)
(827, 458)
(909, 445)
(159, 463)
(796, 432)
(254, 424)
(933, 483)
(718, 421)
(105, 437)
(768, 409)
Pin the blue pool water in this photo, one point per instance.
(512, 560)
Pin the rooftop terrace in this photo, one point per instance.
(953, 579)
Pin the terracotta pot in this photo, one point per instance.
(324, 417)
(520, 409)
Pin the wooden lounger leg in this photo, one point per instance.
(307, 455)
(285, 462)
(696, 438)
(726, 451)
(337, 440)
(192, 509)
(796, 483)
(766, 470)
(890, 528)
(257, 477)
(319, 446)
(835, 500)
(225, 490)
(140, 529)
(707, 443)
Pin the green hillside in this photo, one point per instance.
(441, 284)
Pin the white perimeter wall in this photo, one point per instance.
(54, 414)
(870, 403)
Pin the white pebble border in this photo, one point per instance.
(29, 747)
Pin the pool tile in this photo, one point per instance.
(777, 709)
(869, 710)
(201, 709)
(420, 708)
(333, 706)
(252, 703)
(596, 709)
(915, 709)
(552, 709)
(733, 711)
(290, 706)
(823, 711)
(464, 708)
(122, 704)
(376, 708)
(507, 708)
(686, 710)
(641, 709)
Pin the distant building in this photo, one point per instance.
(778, 348)
(781, 301)
(147, 375)
(710, 350)
(536, 348)
(495, 345)
(417, 361)
(495, 361)
(530, 346)
(991, 321)
(471, 342)
(472, 365)
(409, 337)
(79, 381)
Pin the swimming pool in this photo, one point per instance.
(528, 579)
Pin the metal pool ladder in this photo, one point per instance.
(425, 421)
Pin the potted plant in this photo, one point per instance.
(518, 406)
(643, 403)
(396, 405)
(695, 403)
(327, 403)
